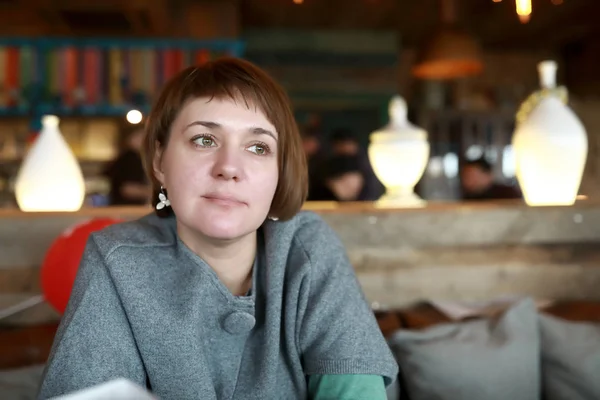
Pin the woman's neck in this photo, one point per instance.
(232, 260)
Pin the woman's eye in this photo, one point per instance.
(259, 149)
(204, 141)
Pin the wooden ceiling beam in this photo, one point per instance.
(158, 12)
(134, 19)
(48, 11)
(577, 25)
(496, 24)
(207, 20)
(21, 22)
(375, 15)
(16, 16)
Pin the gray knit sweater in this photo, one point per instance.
(146, 308)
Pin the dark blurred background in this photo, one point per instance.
(341, 61)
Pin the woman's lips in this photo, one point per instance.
(223, 199)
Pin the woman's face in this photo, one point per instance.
(220, 167)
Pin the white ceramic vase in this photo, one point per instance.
(50, 178)
(399, 153)
(550, 147)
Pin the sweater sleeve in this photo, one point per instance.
(346, 387)
(94, 343)
(338, 330)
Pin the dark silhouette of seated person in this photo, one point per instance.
(345, 144)
(478, 183)
(128, 182)
(343, 179)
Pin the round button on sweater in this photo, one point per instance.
(239, 322)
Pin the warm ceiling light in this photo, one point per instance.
(524, 10)
(497, 1)
(450, 53)
(298, 1)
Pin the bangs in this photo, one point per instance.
(227, 84)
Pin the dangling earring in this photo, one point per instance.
(163, 201)
(274, 218)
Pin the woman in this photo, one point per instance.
(231, 293)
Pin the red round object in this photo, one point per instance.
(61, 262)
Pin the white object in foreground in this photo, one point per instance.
(119, 389)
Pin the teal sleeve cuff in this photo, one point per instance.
(346, 387)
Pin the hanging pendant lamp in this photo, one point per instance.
(450, 53)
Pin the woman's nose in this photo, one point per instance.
(227, 164)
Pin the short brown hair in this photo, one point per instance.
(239, 80)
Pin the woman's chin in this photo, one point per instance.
(224, 234)
(220, 225)
(225, 229)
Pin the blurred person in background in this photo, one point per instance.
(344, 143)
(311, 143)
(128, 182)
(478, 183)
(344, 179)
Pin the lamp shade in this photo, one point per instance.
(50, 178)
(550, 145)
(449, 54)
(399, 153)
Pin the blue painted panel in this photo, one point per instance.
(322, 59)
(236, 47)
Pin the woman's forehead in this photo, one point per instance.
(224, 111)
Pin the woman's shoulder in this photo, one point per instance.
(308, 232)
(312, 230)
(148, 231)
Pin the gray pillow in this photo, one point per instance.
(484, 359)
(570, 359)
(393, 391)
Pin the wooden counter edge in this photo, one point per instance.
(318, 207)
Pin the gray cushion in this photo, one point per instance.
(570, 359)
(393, 391)
(484, 359)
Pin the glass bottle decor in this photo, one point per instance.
(550, 144)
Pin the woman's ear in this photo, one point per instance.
(157, 163)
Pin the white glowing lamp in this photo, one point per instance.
(134, 117)
(399, 153)
(50, 178)
(551, 147)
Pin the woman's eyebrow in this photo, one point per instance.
(214, 125)
(262, 131)
(206, 124)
